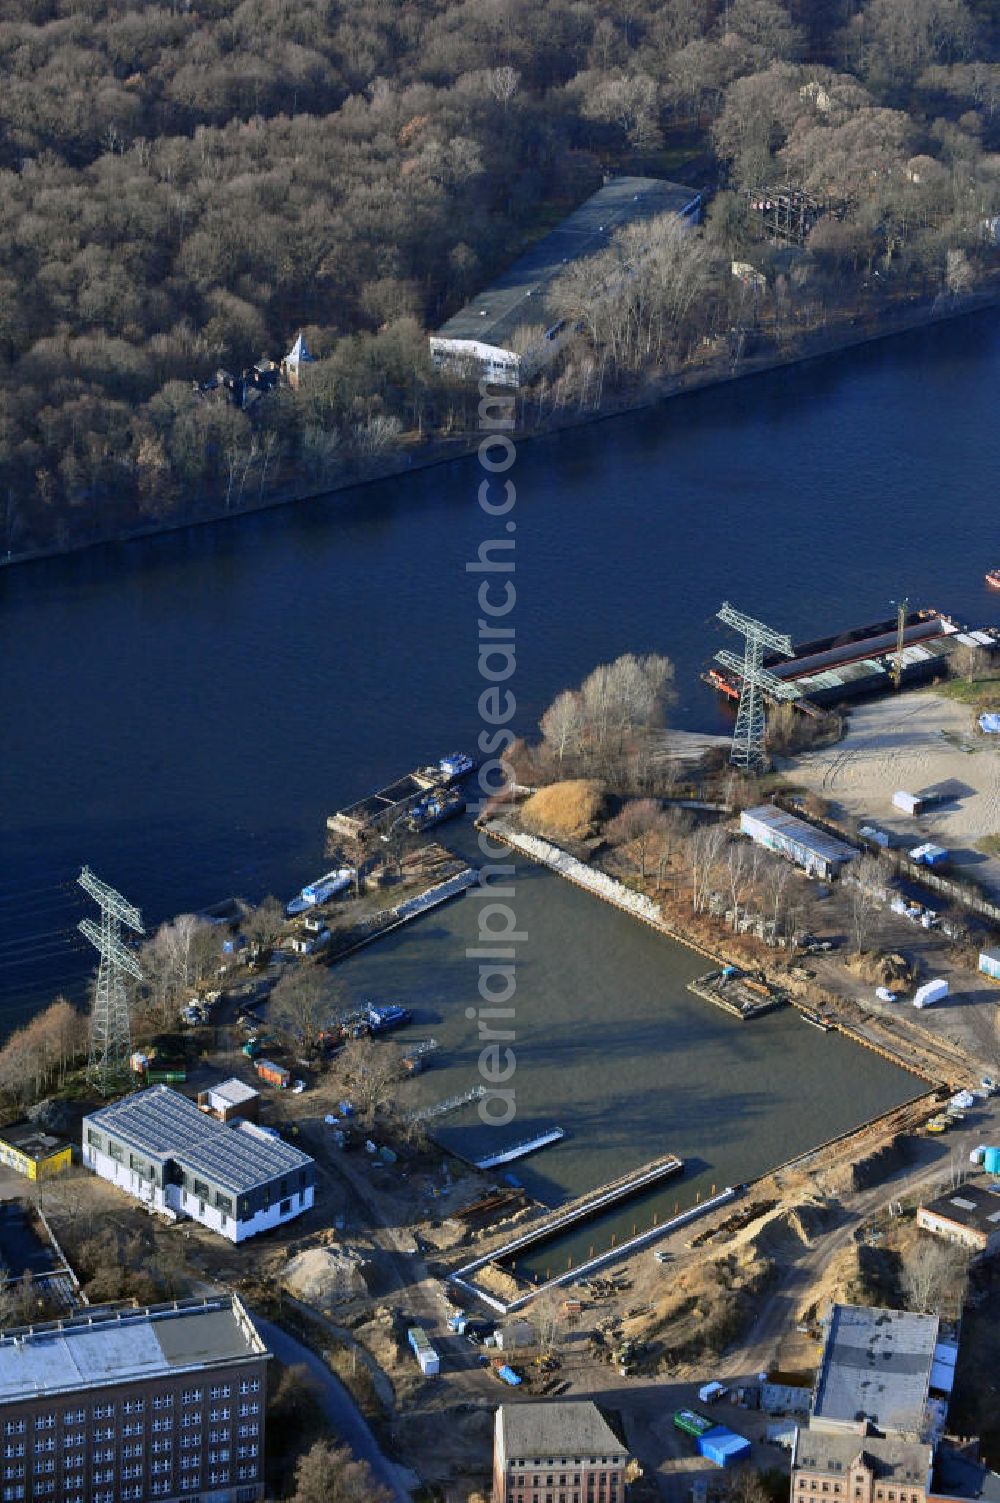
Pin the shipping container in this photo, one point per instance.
(430, 1362)
(910, 803)
(275, 1075)
(991, 1160)
(930, 992)
(692, 1423)
(989, 964)
(723, 1447)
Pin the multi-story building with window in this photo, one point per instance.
(234, 1177)
(832, 1468)
(156, 1405)
(557, 1453)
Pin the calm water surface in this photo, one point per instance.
(183, 712)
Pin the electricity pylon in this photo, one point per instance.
(902, 612)
(110, 1034)
(755, 683)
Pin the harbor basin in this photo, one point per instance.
(612, 1047)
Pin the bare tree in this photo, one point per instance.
(933, 1278)
(869, 880)
(636, 826)
(263, 926)
(329, 1473)
(369, 1072)
(503, 84)
(705, 852)
(741, 867)
(562, 726)
(302, 1004)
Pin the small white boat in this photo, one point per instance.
(320, 890)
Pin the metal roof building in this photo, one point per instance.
(487, 336)
(233, 1177)
(820, 854)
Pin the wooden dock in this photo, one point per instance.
(736, 993)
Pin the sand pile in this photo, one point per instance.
(325, 1277)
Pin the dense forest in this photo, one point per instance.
(186, 186)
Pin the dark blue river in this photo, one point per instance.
(181, 713)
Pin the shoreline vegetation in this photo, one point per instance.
(227, 231)
(853, 331)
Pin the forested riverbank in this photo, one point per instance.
(186, 191)
(404, 459)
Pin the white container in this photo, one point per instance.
(929, 993)
(910, 803)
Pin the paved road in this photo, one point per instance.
(341, 1412)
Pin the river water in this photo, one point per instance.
(181, 713)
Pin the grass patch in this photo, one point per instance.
(981, 693)
(989, 845)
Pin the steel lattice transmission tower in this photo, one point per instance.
(110, 1034)
(756, 683)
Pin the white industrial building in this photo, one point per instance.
(233, 1177)
(507, 333)
(818, 853)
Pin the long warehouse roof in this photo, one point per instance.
(518, 298)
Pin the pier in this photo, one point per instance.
(393, 918)
(520, 1150)
(464, 1279)
(450, 1104)
(595, 1203)
(736, 993)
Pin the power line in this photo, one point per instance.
(755, 682)
(110, 1034)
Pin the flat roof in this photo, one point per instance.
(518, 298)
(163, 1124)
(876, 1366)
(31, 1140)
(233, 1091)
(791, 827)
(973, 1205)
(104, 1347)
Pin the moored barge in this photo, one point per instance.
(847, 665)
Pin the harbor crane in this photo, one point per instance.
(110, 1032)
(756, 683)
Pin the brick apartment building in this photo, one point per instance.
(557, 1453)
(123, 1406)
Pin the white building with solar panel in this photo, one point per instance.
(234, 1177)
